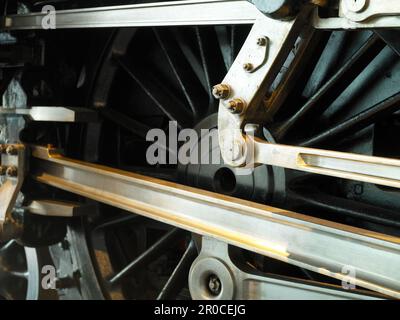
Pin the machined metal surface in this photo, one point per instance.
(237, 152)
(379, 14)
(57, 208)
(250, 87)
(376, 170)
(56, 114)
(214, 261)
(375, 21)
(174, 13)
(361, 10)
(311, 243)
(318, 245)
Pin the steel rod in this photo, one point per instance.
(317, 245)
(173, 13)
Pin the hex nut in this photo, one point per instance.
(262, 41)
(12, 171)
(248, 66)
(11, 150)
(236, 106)
(221, 91)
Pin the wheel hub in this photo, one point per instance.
(263, 184)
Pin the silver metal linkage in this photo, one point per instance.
(49, 113)
(362, 14)
(353, 14)
(214, 276)
(317, 245)
(174, 13)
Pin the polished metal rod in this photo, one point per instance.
(314, 244)
(174, 13)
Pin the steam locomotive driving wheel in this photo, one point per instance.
(306, 172)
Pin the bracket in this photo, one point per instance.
(231, 282)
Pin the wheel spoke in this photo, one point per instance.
(213, 63)
(225, 45)
(178, 280)
(115, 222)
(180, 67)
(391, 37)
(192, 59)
(355, 123)
(174, 109)
(344, 207)
(327, 61)
(137, 128)
(8, 245)
(322, 99)
(149, 255)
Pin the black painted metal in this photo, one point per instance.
(391, 37)
(173, 108)
(185, 76)
(355, 123)
(151, 253)
(321, 100)
(329, 204)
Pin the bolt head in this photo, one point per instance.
(236, 106)
(11, 150)
(12, 171)
(262, 41)
(248, 67)
(221, 91)
(355, 5)
(214, 284)
(3, 148)
(3, 170)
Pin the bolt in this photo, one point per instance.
(233, 149)
(356, 5)
(11, 150)
(3, 148)
(221, 91)
(3, 170)
(236, 106)
(262, 41)
(12, 171)
(214, 285)
(248, 67)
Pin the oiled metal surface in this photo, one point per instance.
(191, 12)
(314, 244)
